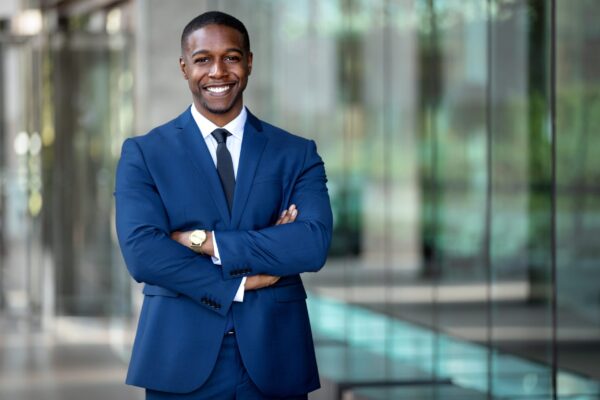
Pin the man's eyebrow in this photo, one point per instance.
(232, 49)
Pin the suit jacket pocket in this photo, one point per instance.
(290, 293)
(153, 290)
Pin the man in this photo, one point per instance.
(213, 206)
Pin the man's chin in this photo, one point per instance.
(221, 107)
(219, 111)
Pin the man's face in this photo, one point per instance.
(216, 67)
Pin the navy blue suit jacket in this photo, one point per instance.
(166, 181)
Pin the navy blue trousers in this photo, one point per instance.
(228, 381)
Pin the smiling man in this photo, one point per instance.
(218, 214)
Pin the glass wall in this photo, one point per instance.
(458, 139)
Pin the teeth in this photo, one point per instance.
(217, 89)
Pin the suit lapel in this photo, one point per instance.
(253, 146)
(195, 147)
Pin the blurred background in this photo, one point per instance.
(459, 142)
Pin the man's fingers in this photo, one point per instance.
(288, 215)
(275, 279)
(293, 213)
(260, 281)
(281, 218)
(271, 280)
(178, 237)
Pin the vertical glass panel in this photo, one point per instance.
(91, 99)
(453, 99)
(577, 201)
(521, 165)
(22, 259)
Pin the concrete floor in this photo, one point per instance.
(86, 359)
(71, 361)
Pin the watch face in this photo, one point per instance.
(197, 238)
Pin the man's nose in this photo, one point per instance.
(218, 69)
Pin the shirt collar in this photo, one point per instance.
(235, 126)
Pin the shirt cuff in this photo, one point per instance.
(216, 259)
(239, 296)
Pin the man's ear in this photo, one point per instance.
(182, 68)
(250, 57)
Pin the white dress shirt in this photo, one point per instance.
(234, 145)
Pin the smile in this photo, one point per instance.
(219, 90)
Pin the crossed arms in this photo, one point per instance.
(153, 257)
(253, 282)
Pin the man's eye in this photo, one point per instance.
(201, 60)
(232, 58)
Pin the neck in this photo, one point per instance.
(220, 119)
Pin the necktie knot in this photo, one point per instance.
(220, 135)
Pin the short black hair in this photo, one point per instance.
(216, 18)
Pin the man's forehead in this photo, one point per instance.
(215, 34)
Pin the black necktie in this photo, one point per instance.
(225, 165)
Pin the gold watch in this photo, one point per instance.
(197, 239)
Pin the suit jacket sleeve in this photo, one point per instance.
(287, 249)
(144, 236)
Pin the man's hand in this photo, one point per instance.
(288, 215)
(252, 282)
(182, 238)
(260, 281)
